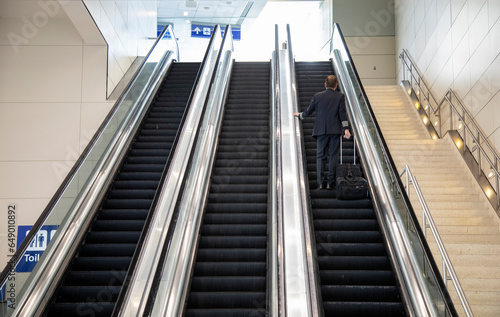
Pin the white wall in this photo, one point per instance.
(53, 93)
(126, 26)
(368, 28)
(456, 45)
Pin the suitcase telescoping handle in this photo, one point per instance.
(354, 140)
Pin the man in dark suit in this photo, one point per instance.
(330, 123)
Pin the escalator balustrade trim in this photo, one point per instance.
(95, 276)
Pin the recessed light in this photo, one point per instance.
(186, 13)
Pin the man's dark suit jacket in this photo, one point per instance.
(331, 115)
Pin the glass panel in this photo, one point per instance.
(416, 245)
(21, 269)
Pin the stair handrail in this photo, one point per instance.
(463, 114)
(428, 222)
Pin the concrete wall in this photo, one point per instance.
(368, 28)
(455, 44)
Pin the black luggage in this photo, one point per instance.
(350, 184)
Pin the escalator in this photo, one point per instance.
(356, 274)
(94, 278)
(229, 275)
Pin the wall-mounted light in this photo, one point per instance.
(491, 173)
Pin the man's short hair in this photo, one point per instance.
(331, 81)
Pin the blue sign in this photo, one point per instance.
(236, 33)
(205, 31)
(160, 28)
(32, 255)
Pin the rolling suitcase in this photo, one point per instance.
(350, 184)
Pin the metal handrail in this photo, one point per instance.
(44, 277)
(422, 289)
(175, 269)
(72, 176)
(275, 283)
(155, 236)
(428, 222)
(303, 180)
(293, 259)
(463, 115)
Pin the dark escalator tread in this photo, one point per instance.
(96, 274)
(356, 309)
(229, 276)
(355, 271)
(258, 310)
(93, 307)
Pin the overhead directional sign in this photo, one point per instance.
(205, 31)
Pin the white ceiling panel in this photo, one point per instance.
(209, 11)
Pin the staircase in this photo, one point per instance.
(468, 225)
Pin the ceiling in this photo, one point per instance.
(209, 11)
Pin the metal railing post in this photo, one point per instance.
(428, 222)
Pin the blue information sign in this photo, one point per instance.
(205, 31)
(35, 249)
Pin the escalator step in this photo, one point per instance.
(82, 294)
(228, 283)
(95, 278)
(363, 293)
(104, 263)
(357, 277)
(372, 309)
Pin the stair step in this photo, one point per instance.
(467, 224)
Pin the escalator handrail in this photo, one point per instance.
(275, 283)
(414, 288)
(21, 249)
(174, 272)
(314, 290)
(137, 286)
(44, 278)
(293, 257)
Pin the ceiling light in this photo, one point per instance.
(186, 13)
(191, 3)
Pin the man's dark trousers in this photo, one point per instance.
(332, 142)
